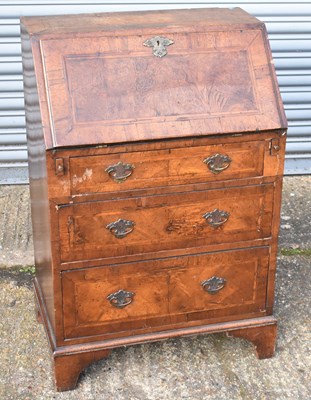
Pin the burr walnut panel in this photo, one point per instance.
(143, 87)
(164, 291)
(113, 89)
(94, 174)
(114, 228)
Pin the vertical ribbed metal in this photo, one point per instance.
(289, 28)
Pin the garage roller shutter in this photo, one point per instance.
(289, 28)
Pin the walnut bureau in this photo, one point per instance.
(156, 147)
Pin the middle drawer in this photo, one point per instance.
(114, 228)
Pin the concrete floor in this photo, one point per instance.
(205, 367)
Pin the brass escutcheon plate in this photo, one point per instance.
(159, 44)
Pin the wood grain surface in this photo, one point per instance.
(212, 81)
(165, 291)
(164, 222)
(85, 167)
(166, 167)
(199, 19)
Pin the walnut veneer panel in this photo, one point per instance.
(132, 95)
(215, 81)
(164, 291)
(164, 222)
(198, 19)
(166, 167)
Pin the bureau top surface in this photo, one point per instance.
(199, 19)
(124, 77)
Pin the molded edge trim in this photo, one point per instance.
(157, 336)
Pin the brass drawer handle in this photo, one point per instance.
(121, 228)
(121, 298)
(217, 217)
(120, 172)
(217, 163)
(213, 284)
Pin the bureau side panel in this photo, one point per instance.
(274, 245)
(37, 179)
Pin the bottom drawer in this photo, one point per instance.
(105, 300)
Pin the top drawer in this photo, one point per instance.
(136, 170)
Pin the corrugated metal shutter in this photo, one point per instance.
(289, 27)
